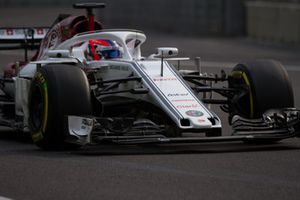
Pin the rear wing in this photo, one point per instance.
(21, 38)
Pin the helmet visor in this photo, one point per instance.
(111, 54)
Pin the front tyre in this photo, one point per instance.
(56, 91)
(267, 86)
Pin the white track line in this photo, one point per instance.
(4, 198)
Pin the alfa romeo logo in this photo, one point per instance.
(194, 113)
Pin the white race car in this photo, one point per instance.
(87, 85)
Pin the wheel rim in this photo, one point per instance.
(246, 101)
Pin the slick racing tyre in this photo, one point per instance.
(56, 91)
(267, 84)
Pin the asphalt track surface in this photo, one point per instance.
(206, 171)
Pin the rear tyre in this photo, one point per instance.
(268, 87)
(56, 91)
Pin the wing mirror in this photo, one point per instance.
(59, 54)
(165, 52)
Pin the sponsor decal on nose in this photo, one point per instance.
(194, 113)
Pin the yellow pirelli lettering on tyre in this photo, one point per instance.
(43, 84)
(40, 78)
(38, 136)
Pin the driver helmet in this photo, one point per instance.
(103, 49)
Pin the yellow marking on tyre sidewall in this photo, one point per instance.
(39, 135)
(243, 75)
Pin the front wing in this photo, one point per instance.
(275, 125)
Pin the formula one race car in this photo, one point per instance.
(87, 85)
